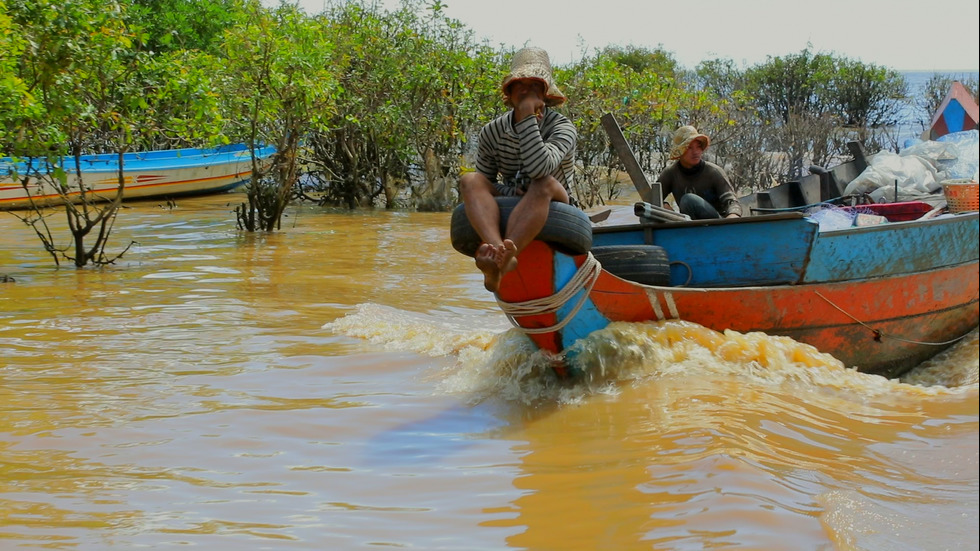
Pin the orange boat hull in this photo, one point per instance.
(883, 325)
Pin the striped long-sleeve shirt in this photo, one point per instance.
(530, 149)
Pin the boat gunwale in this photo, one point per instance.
(642, 225)
(132, 162)
(639, 226)
(787, 285)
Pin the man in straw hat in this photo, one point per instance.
(701, 189)
(531, 149)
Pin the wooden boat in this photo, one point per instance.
(881, 297)
(147, 174)
(883, 324)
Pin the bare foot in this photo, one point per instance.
(486, 260)
(507, 260)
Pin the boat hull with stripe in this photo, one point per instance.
(146, 175)
(883, 325)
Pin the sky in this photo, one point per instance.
(904, 35)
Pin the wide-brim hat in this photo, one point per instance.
(683, 137)
(533, 63)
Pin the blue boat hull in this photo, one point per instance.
(146, 175)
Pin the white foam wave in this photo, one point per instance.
(494, 361)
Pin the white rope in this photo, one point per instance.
(878, 334)
(585, 278)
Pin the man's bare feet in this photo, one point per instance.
(495, 261)
(486, 260)
(507, 260)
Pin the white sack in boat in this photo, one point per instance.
(954, 155)
(914, 177)
(832, 218)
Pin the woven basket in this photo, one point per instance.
(961, 195)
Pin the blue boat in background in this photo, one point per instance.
(146, 175)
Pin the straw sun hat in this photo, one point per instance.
(683, 138)
(533, 63)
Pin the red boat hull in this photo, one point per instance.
(883, 325)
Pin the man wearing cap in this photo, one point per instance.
(527, 152)
(701, 189)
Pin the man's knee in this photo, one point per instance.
(550, 186)
(470, 180)
(696, 207)
(474, 182)
(688, 201)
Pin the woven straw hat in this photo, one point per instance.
(533, 63)
(683, 137)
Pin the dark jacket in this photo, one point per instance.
(707, 180)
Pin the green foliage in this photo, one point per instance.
(90, 86)
(183, 106)
(184, 25)
(369, 107)
(794, 84)
(809, 104)
(278, 86)
(16, 102)
(867, 95)
(413, 89)
(78, 69)
(804, 106)
(363, 152)
(448, 92)
(645, 103)
(642, 60)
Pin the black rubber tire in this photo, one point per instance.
(646, 264)
(568, 228)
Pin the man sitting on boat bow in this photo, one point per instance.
(532, 149)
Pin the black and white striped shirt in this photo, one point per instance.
(528, 150)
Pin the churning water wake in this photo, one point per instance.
(493, 359)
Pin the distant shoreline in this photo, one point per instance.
(925, 74)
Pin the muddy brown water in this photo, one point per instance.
(346, 383)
